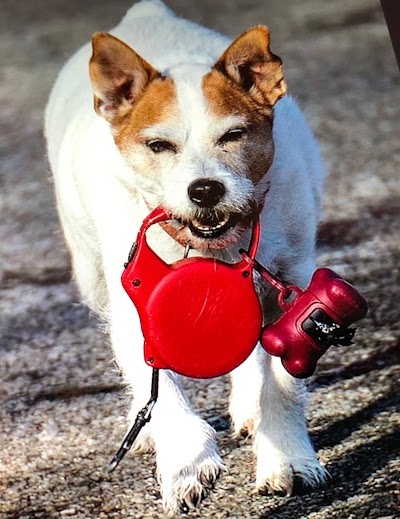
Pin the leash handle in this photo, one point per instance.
(255, 239)
(160, 215)
(156, 216)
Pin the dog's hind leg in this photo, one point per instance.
(246, 384)
(248, 379)
(282, 444)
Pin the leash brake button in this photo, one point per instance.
(131, 254)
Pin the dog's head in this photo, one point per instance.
(198, 139)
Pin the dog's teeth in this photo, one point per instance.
(203, 227)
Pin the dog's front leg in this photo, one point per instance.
(269, 404)
(188, 461)
(282, 444)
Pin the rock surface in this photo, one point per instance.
(62, 405)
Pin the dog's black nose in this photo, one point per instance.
(206, 192)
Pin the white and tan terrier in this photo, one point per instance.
(202, 127)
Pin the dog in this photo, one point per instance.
(163, 112)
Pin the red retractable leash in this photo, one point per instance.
(220, 319)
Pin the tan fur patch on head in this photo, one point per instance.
(156, 105)
(118, 75)
(225, 98)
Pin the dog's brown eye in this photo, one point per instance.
(233, 135)
(158, 146)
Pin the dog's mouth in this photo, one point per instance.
(209, 231)
(212, 226)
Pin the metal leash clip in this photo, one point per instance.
(142, 418)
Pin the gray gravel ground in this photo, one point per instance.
(62, 405)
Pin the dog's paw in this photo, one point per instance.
(277, 475)
(244, 417)
(244, 429)
(185, 490)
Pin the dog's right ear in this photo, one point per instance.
(118, 75)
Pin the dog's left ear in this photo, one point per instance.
(249, 62)
(118, 74)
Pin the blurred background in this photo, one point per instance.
(62, 405)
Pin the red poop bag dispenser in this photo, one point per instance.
(315, 320)
(202, 318)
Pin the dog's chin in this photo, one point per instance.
(209, 233)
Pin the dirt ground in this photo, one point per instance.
(62, 404)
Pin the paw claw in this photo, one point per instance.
(246, 430)
(197, 498)
(192, 499)
(208, 481)
(183, 508)
(280, 483)
(191, 486)
(269, 490)
(286, 479)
